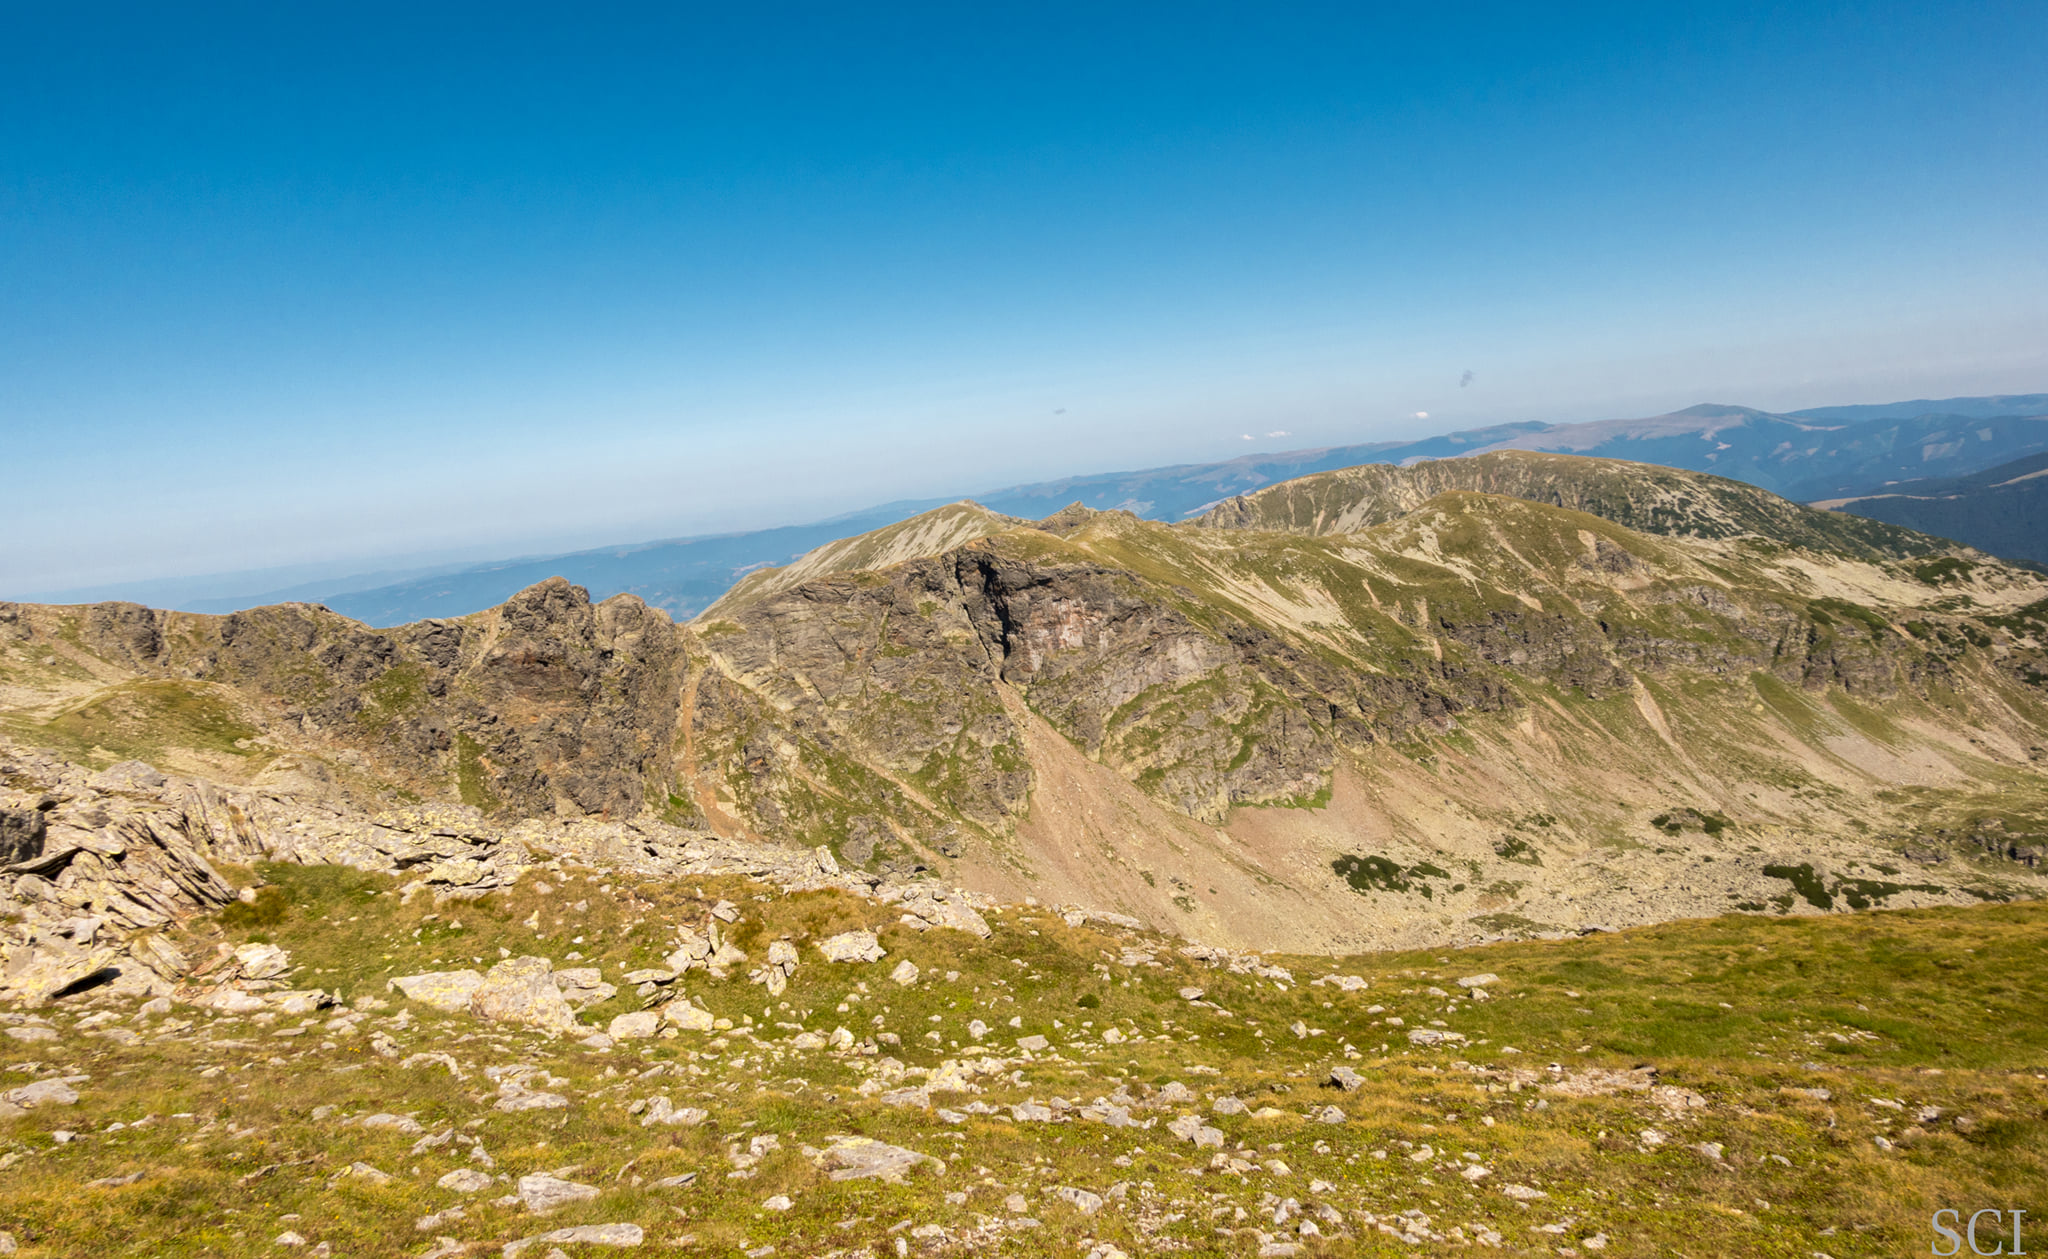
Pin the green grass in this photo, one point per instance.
(1927, 1007)
(141, 720)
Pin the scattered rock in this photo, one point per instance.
(128, 776)
(1345, 1078)
(543, 1193)
(45, 1093)
(582, 986)
(582, 1234)
(851, 946)
(465, 1180)
(521, 990)
(905, 973)
(662, 1111)
(864, 1158)
(1080, 1199)
(1430, 1036)
(638, 1025)
(1191, 1128)
(690, 1018)
(262, 961)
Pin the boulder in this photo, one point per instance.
(262, 961)
(45, 1093)
(1080, 1199)
(583, 986)
(521, 990)
(662, 1111)
(22, 832)
(864, 1158)
(465, 1180)
(543, 1193)
(1429, 1037)
(851, 946)
(1345, 1078)
(447, 990)
(582, 1234)
(638, 1025)
(231, 1000)
(688, 1017)
(128, 776)
(1191, 1128)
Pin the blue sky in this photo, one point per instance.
(286, 284)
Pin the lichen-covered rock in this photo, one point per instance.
(21, 835)
(262, 961)
(584, 985)
(690, 1018)
(851, 946)
(522, 990)
(451, 991)
(864, 1158)
(129, 776)
(639, 1025)
(542, 1193)
(581, 1235)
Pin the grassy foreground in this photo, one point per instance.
(1822, 1084)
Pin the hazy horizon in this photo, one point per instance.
(291, 290)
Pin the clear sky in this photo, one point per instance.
(298, 282)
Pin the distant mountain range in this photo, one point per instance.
(2003, 510)
(1831, 453)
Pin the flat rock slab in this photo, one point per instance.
(583, 1234)
(864, 1158)
(851, 946)
(638, 1025)
(448, 990)
(542, 1192)
(44, 1093)
(522, 990)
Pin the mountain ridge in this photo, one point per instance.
(1247, 734)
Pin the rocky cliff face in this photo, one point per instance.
(544, 705)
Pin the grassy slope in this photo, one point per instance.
(1923, 1008)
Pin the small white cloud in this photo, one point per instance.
(1278, 432)
(1422, 415)
(1247, 436)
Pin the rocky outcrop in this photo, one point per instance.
(546, 705)
(109, 870)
